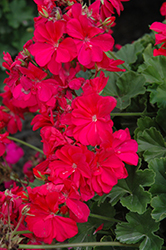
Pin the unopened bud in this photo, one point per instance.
(25, 210)
(109, 21)
(38, 175)
(43, 11)
(58, 14)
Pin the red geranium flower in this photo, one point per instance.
(44, 222)
(90, 40)
(90, 118)
(108, 168)
(50, 48)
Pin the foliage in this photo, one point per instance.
(126, 210)
(16, 28)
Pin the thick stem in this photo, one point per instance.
(133, 114)
(84, 244)
(25, 143)
(104, 218)
(22, 232)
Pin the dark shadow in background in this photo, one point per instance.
(134, 21)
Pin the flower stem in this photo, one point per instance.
(16, 179)
(112, 55)
(17, 226)
(116, 74)
(25, 143)
(133, 114)
(22, 232)
(104, 218)
(83, 244)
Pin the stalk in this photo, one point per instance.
(25, 143)
(84, 244)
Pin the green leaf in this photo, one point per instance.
(5, 5)
(158, 94)
(129, 52)
(131, 191)
(159, 205)
(151, 143)
(85, 234)
(161, 119)
(104, 209)
(139, 228)
(148, 52)
(144, 123)
(147, 39)
(127, 86)
(155, 70)
(19, 13)
(86, 75)
(111, 88)
(159, 167)
(158, 189)
(36, 183)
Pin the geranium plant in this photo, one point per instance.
(100, 180)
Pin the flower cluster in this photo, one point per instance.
(160, 36)
(83, 155)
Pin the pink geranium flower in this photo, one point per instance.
(160, 28)
(44, 222)
(96, 84)
(52, 138)
(160, 37)
(90, 40)
(50, 48)
(108, 168)
(13, 153)
(90, 118)
(163, 9)
(71, 162)
(3, 141)
(124, 147)
(106, 7)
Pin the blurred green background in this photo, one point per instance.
(16, 28)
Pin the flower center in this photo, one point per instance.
(74, 166)
(94, 118)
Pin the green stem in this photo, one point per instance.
(22, 232)
(112, 54)
(16, 179)
(104, 218)
(84, 244)
(116, 74)
(133, 114)
(17, 226)
(25, 143)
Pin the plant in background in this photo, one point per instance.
(16, 27)
(87, 188)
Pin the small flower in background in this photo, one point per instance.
(13, 153)
(99, 228)
(163, 9)
(160, 37)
